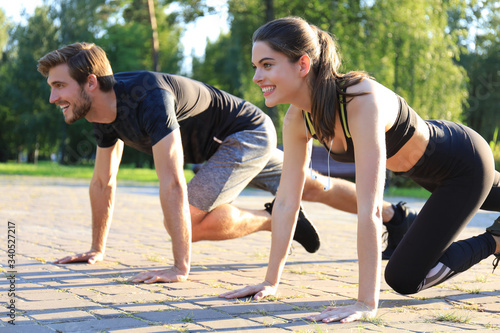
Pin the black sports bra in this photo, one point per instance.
(395, 138)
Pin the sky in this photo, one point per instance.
(194, 39)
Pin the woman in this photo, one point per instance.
(358, 119)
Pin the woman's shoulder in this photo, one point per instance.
(374, 96)
(369, 89)
(365, 86)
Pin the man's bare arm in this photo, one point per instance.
(169, 162)
(102, 196)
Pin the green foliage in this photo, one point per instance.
(411, 52)
(190, 10)
(128, 40)
(80, 21)
(34, 124)
(480, 56)
(6, 118)
(28, 123)
(422, 49)
(495, 148)
(493, 142)
(496, 155)
(405, 45)
(483, 105)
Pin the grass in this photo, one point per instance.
(188, 318)
(50, 169)
(130, 173)
(156, 258)
(469, 291)
(411, 192)
(453, 318)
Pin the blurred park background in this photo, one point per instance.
(443, 57)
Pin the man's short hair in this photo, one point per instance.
(82, 59)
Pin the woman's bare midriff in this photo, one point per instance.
(412, 151)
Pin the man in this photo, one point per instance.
(179, 120)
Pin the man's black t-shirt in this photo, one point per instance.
(150, 105)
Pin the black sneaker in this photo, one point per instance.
(494, 229)
(397, 227)
(305, 232)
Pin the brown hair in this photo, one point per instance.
(294, 37)
(82, 59)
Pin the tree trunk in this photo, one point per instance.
(62, 145)
(33, 154)
(398, 46)
(269, 10)
(154, 38)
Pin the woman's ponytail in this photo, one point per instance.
(324, 86)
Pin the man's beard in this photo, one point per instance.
(81, 109)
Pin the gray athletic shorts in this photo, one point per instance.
(244, 158)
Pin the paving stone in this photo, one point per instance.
(162, 328)
(43, 295)
(126, 298)
(265, 320)
(251, 307)
(118, 290)
(145, 307)
(177, 315)
(26, 329)
(106, 313)
(297, 323)
(98, 325)
(90, 298)
(53, 304)
(63, 316)
(185, 305)
(20, 320)
(233, 324)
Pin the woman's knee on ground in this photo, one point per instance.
(398, 278)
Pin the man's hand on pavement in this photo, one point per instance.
(91, 257)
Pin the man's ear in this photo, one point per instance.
(92, 82)
(304, 65)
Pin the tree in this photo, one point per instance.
(403, 44)
(230, 55)
(35, 123)
(128, 43)
(415, 56)
(129, 40)
(78, 21)
(122, 27)
(6, 119)
(155, 44)
(480, 55)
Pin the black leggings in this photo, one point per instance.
(458, 169)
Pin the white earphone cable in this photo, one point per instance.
(327, 187)
(309, 152)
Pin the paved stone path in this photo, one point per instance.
(52, 220)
